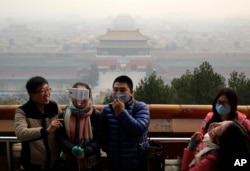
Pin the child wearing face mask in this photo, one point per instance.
(80, 136)
(224, 108)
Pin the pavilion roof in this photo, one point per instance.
(123, 35)
(122, 46)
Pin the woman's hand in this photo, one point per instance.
(195, 141)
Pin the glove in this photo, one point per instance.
(195, 141)
(77, 151)
(193, 144)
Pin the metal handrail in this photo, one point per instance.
(13, 139)
(171, 139)
(8, 140)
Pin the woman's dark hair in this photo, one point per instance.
(234, 143)
(233, 102)
(34, 82)
(84, 85)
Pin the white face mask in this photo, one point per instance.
(208, 141)
(206, 138)
(122, 96)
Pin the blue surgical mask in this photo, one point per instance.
(222, 110)
(122, 96)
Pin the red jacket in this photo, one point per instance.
(241, 117)
(208, 162)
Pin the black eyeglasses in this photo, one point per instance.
(43, 91)
(223, 102)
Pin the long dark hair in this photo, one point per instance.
(233, 101)
(234, 144)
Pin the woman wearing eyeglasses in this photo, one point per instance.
(225, 108)
(80, 136)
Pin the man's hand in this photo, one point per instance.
(54, 125)
(118, 106)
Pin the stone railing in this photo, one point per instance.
(170, 125)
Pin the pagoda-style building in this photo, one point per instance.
(123, 49)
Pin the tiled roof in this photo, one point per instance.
(114, 46)
(123, 35)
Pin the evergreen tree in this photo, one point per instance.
(241, 85)
(152, 90)
(180, 89)
(206, 84)
(93, 75)
(197, 88)
(107, 99)
(149, 70)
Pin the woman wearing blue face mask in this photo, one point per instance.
(225, 108)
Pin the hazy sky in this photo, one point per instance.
(143, 8)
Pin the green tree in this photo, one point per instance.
(152, 90)
(206, 83)
(93, 75)
(241, 85)
(197, 88)
(180, 89)
(149, 70)
(108, 99)
(9, 101)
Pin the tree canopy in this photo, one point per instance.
(152, 90)
(197, 87)
(241, 85)
(93, 75)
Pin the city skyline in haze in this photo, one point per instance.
(182, 9)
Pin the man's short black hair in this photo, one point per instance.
(124, 79)
(34, 82)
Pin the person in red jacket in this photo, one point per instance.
(227, 148)
(224, 108)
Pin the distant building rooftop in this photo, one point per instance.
(123, 35)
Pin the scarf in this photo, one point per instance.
(209, 146)
(79, 130)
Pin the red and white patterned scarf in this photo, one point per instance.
(85, 130)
